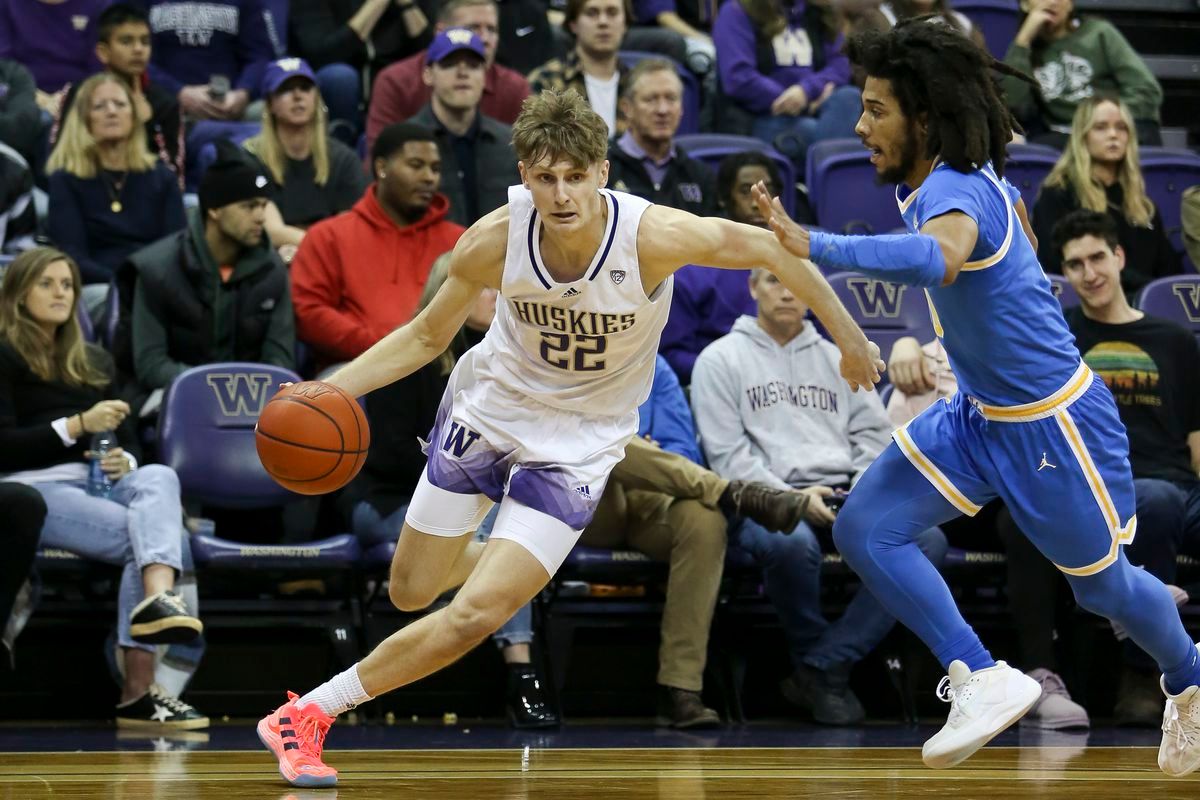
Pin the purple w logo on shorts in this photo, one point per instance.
(459, 440)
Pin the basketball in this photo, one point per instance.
(312, 437)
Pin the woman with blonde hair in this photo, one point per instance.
(55, 396)
(1099, 170)
(314, 176)
(109, 196)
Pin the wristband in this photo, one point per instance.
(914, 259)
(82, 428)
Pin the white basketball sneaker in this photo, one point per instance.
(1179, 753)
(982, 704)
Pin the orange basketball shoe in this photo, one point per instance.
(296, 735)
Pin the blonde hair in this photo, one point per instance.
(1074, 168)
(558, 125)
(268, 149)
(75, 151)
(65, 358)
(438, 272)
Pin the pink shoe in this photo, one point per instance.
(296, 736)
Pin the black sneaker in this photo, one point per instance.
(774, 509)
(163, 619)
(527, 705)
(157, 709)
(684, 710)
(825, 695)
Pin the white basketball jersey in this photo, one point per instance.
(588, 345)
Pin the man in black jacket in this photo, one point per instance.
(215, 291)
(24, 511)
(645, 159)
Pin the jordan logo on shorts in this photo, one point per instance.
(459, 440)
(1045, 463)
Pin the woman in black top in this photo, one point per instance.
(1099, 170)
(55, 393)
(109, 196)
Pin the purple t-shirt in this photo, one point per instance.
(56, 42)
(792, 56)
(705, 304)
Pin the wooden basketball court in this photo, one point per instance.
(1097, 773)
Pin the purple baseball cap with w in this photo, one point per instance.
(451, 41)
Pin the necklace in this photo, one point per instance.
(114, 191)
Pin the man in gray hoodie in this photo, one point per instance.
(770, 406)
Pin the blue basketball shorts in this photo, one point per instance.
(1060, 464)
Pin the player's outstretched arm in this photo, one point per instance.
(477, 262)
(669, 238)
(932, 258)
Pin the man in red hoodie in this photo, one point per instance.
(358, 276)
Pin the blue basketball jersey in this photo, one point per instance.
(1003, 329)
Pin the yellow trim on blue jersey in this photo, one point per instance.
(1120, 535)
(993, 259)
(932, 474)
(1070, 391)
(933, 316)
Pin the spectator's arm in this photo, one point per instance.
(733, 36)
(68, 231)
(347, 181)
(20, 123)
(254, 48)
(24, 446)
(1139, 88)
(1020, 96)
(869, 430)
(279, 346)
(152, 363)
(673, 22)
(669, 419)
(321, 39)
(174, 218)
(835, 71)
(718, 416)
(316, 293)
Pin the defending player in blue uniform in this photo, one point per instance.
(1030, 423)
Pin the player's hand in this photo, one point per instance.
(105, 416)
(861, 364)
(793, 237)
(909, 367)
(817, 512)
(791, 102)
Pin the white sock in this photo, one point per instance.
(340, 693)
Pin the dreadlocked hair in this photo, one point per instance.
(938, 73)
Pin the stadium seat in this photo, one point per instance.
(842, 190)
(1026, 167)
(1168, 173)
(997, 20)
(1176, 297)
(713, 148)
(885, 311)
(690, 123)
(1064, 291)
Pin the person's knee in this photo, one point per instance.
(934, 545)
(409, 594)
(26, 508)
(851, 529)
(701, 530)
(1107, 592)
(472, 619)
(1159, 503)
(799, 548)
(158, 476)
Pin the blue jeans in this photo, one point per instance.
(341, 89)
(372, 528)
(140, 524)
(792, 136)
(791, 568)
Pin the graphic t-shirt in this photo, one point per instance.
(1151, 367)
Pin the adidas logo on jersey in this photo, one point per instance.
(572, 292)
(586, 491)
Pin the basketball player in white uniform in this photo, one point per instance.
(536, 415)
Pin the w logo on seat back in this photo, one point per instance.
(240, 394)
(1189, 298)
(459, 440)
(877, 299)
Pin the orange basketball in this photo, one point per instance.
(312, 437)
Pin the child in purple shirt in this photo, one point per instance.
(52, 40)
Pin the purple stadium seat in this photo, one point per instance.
(85, 324)
(997, 20)
(885, 311)
(1176, 297)
(713, 148)
(1064, 291)
(1026, 167)
(336, 552)
(1168, 173)
(843, 192)
(206, 433)
(690, 123)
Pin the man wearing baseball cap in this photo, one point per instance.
(215, 291)
(478, 161)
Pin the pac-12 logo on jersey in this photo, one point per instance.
(459, 440)
(617, 275)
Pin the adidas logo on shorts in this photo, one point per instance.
(586, 491)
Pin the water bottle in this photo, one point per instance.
(98, 482)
